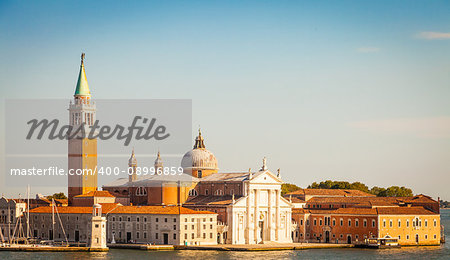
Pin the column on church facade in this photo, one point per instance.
(255, 219)
(277, 213)
(248, 206)
(269, 214)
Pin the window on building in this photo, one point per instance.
(390, 223)
(137, 219)
(307, 222)
(174, 227)
(204, 235)
(137, 234)
(342, 222)
(384, 223)
(193, 192)
(156, 235)
(301, 222)
(435, 236)
(399, 223)
(320, 222)
(334, 222)
(165, 219)
(399, 237)
(211, 226)
(174, 235)
(315, 222)
(185, 227)
(206, 192)
(185, 236)
(426, 236)
(174, 220)
(407, 236)
(145, 234)
(435, 222)
(192, 236)
(365, 222)
(157, 219)
(357, 223)
(210, 235)
(141, 191)
(128, 219)
(349, 222)
(407, 223)
(426, 223)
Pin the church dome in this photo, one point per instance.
(199, 158)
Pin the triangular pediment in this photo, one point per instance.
(265, 177)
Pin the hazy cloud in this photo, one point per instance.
(424, 127)
(433, 35)
(367, 49)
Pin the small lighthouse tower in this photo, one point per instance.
(98, 233)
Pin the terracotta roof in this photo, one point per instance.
(352, 211)
(330, 192)
(118, 195)
(97, 193)
(232, 176)
(298, 211)
(405, 211)
(74, 210)
(370, 201)
(369, 211)
(294, 199)
(119, 209)
(62, 201)
(211, 200)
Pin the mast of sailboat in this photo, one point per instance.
(28, 212)
(9, 223)
(1, 235)
(53, 220)
(62, 227)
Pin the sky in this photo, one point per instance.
(340, 90)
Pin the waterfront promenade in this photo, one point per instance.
(225, 247)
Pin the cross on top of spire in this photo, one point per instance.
(199, 141)
(82, 58)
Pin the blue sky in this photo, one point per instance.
(348, 90)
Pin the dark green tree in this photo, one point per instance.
(59, 195)
(288, 187)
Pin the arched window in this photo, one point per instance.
(193, 192)
(141, 191)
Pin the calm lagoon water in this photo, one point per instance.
(442, 252)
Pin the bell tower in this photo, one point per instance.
(132, 164)
(82, 152)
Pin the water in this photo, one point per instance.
(436, 252)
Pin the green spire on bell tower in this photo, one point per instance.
(82, 88)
